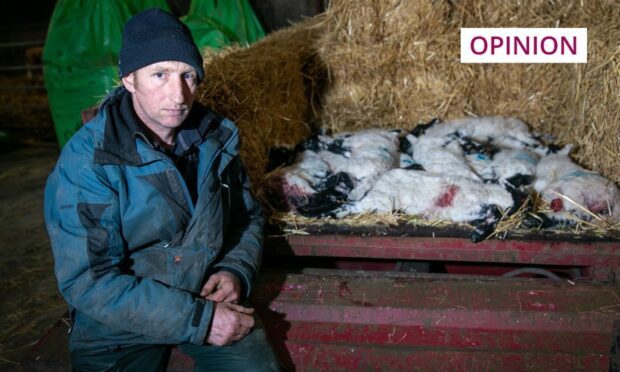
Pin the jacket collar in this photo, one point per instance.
(119, 145)
(123, 131)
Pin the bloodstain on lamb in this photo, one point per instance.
(446, 199)
(557, 205)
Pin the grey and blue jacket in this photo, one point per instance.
(132, 247)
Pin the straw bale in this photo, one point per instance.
(396, 63)
(403, 67)
(268, 90)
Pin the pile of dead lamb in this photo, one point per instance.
(470, 170)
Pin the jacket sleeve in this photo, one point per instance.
(83, 221)
(243, 240)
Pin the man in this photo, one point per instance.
(156, 236)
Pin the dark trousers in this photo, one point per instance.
(252, 353)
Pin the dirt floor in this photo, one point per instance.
(29, 300)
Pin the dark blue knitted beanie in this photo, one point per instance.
(153, 36)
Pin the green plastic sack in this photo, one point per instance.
(207, 33)
(81, 55)
(216, 23)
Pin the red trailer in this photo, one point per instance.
(535, 302)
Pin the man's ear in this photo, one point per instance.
(129, 82)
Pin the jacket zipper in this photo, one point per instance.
(208, 170)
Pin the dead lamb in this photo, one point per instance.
(326, 171)
(497, 131)
(442, 155)
(503, 165)
(363, 155)
(574, 192)
(436, 196)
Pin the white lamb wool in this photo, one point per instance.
(405, 160)
(441, 155)
(296, 182)
(504, 132)
(309, 166)
(367, 154)
(504, 164)
(293, 184)
(459, 199)
(569, 187)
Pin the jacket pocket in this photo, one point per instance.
(178, 267)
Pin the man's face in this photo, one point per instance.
(162, 94)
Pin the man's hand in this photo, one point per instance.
(230, 323)
(222, 286)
